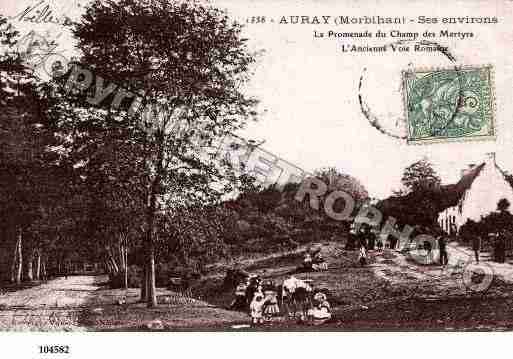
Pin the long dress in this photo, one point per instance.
(271, 303)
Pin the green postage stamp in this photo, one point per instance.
(449, 105)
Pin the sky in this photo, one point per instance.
(308, 88)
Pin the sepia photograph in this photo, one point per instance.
(255, 166)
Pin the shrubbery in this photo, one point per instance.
(260, 222)
(135, 277)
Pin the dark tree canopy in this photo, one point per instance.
(420, 175)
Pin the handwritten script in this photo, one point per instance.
(41, 13)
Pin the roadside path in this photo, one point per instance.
(53, 306)
(432, 279)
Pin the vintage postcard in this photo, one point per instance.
(255, 166)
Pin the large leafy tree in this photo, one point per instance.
(191, 62)
(421, 198)
(420, 176)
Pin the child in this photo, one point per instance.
(362, 258)
(271, 307)
(256, 308)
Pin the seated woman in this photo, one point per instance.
(307, 262)
(317, 257)
(318, 262)
(321, 307)
(239, 303)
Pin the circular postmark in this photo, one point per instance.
(39, 52)
(434, 106)
(478, 276)
(420, 249)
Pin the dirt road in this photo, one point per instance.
(53, 306)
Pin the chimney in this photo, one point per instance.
(490, 158)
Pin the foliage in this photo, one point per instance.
(420, 175)
(419, 202)
(498, 221)
(191, 62)
(338, 181)
(503, 205)
(135, 278)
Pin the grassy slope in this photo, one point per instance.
(360, 300)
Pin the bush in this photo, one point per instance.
(163, 274)
(135, 278)
(233, 277)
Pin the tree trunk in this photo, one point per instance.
(30, 269)
(112, 261)
(19, 270)
(114, 265)
(38, 265)
(121, 254)
(151, 293)
(144, 284)
(125, 261)
(108, 265)
(151, 212)
(43, 270)
(152, 289)
(14, 262)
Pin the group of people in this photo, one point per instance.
(260, 299)
(366, 240)
(313, 261)
(499, 247)
(498, 241)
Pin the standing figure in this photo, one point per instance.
(271, 307)
(256, 309)
(380, 245)
(362, 256)
(371, 238)
(476, 246)
(442, 247)
(501, 247)
(362, 237)
(254, 282)
(429, 252)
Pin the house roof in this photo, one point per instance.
(451, 194)
(441, 198)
